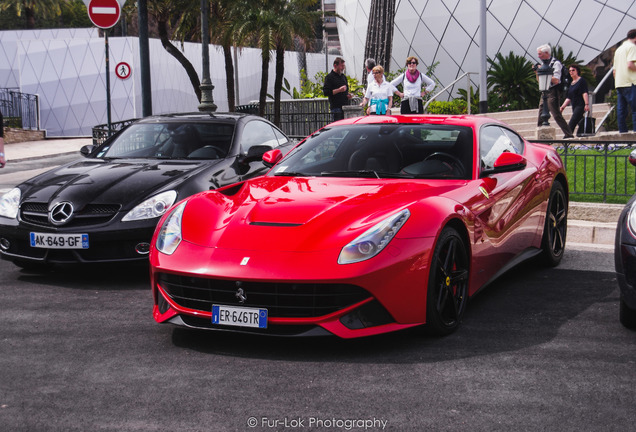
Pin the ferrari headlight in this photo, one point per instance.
(152, 207)
(169, 235)
(374, 239)
(631, 220)
(9, 203)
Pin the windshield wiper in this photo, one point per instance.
(290, 174)
(364, 173)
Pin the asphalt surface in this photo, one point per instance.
(541, 349)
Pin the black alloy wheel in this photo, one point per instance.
(556, 225)
(448, 284)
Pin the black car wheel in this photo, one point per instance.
(447, 285)
(556, 225)
(627, 315)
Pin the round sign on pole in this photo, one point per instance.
(122, 70)
(104, 13)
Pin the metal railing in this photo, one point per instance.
(592, 95)
(598, 169)
(298, 117)
(101, 132)
(20, 110)
(467, 75)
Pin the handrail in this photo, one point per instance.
(467, 74)
(593, 99)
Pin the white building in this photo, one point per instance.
(447, 31)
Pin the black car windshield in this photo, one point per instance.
(427, 151)
(204, 140)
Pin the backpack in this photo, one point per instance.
(565, 76)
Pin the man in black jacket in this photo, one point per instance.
(336, 89)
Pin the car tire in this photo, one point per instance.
(627, 315)
(555, 227)
(447, 293)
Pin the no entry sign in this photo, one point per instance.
(104, 13)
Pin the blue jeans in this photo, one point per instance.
(625, 98)
(337, 114)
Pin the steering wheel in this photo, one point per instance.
(204, 152)
(455, 163)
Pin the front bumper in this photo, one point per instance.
(105, 245)
(305, 293)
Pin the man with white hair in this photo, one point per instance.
(544, 52)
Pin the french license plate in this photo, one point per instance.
(59, 241)
(239, 316)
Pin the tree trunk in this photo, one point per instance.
(264, 77)
(29, 13)
(229, 77)
(278, 82)
(174, 51)
(380, 32)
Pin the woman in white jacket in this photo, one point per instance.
(412, 81)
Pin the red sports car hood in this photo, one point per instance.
(298, 214)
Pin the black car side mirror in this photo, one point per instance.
(87, 150)
(254, 153)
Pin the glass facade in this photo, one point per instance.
(447, 33)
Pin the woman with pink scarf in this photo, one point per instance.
(412, 81)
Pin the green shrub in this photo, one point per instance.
(457, 106)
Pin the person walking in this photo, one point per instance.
(544, 52)
(577, 95)
(336, 88)
(379, 93)
(413, 80)
(624, 81)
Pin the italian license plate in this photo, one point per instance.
(239, 316)
(59, 241)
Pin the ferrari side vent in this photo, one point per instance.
(283, 300)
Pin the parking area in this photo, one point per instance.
(541, 349)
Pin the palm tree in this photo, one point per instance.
(513, 81)
(273, 25)
(182, 13)
(380, 33)
(295, 23)
(31, 8)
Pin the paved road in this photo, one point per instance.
(542, 349)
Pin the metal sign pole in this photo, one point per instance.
(107, 83)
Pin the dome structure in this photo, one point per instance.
(446, 33)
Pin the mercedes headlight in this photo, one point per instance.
(9, 203)
(374, 239)
(169, 235)
(152, 207)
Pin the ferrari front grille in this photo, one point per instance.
(91, 214)
(282, 300)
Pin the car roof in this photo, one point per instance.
(458, 120)
(197, 117)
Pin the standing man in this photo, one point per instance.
(544, 52)
(625, 80)
(336, 88)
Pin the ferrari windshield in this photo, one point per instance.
(384, 151)
(204, 140)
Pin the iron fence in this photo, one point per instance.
(298, 117)
(20, 110)
(101, 132)
(598, 170)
